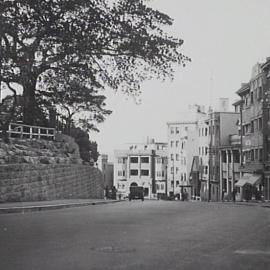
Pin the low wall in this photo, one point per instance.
(35, 182)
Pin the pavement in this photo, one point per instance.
(22, 207)
(134, 235)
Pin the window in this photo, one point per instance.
(145, 172)
(162, 186)
(199, 150)
(186, 128)
(134, 172)
(206, 150)
(185, 176)
(256, 153)
(260, 123)
(145, 159)
(251, 98)
(177, 183)
(159, 160)
(121, 160)
(172, 130)
(134, 160)
(121, 173)
(206, 169)
(172, 170)
(177, 157)
(236, 156)
(172, 143)
(224, 157)
(260, 154)
(163, 174)
(251, 126)
(171, 156)
(206, 130)
(177, 143)
(176, 170)
(252, 155)
(177, 130)
(172, 184)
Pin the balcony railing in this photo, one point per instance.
(16, 130)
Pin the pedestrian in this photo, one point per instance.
(114, 191)
(106, 193)
(177, 192)
(233, 194)
(223, 193)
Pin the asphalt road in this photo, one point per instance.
(138, 235)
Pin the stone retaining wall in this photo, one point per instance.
(35, 182)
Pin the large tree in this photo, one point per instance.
(119, 43)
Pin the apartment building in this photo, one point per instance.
(255, 148)
(183, 146)
(221, 125)
(142, 164)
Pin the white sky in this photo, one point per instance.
(224, 38)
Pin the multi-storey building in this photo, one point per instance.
(106, 169)
(255, 133)
(183, 146)
(142, 164)
(221, 126)
(212, 132)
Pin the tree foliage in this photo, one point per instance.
(88, 149)
(93, 43)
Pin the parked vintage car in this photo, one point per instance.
(136, 193)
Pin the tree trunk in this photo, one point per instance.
(29, 108)
(5, 136)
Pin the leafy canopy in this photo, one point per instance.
(94, 43)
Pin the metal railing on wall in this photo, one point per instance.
(17, 130)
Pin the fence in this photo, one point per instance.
(16, 130)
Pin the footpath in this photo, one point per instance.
(23, 207)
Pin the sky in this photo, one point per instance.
(224, 39)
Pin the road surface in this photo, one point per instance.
(138, 235)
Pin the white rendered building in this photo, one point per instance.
(142, 164)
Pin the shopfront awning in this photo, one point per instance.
(251, 179)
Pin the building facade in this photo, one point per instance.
(142, 164)
(106, 169)
(181, 149)
(255, 177)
